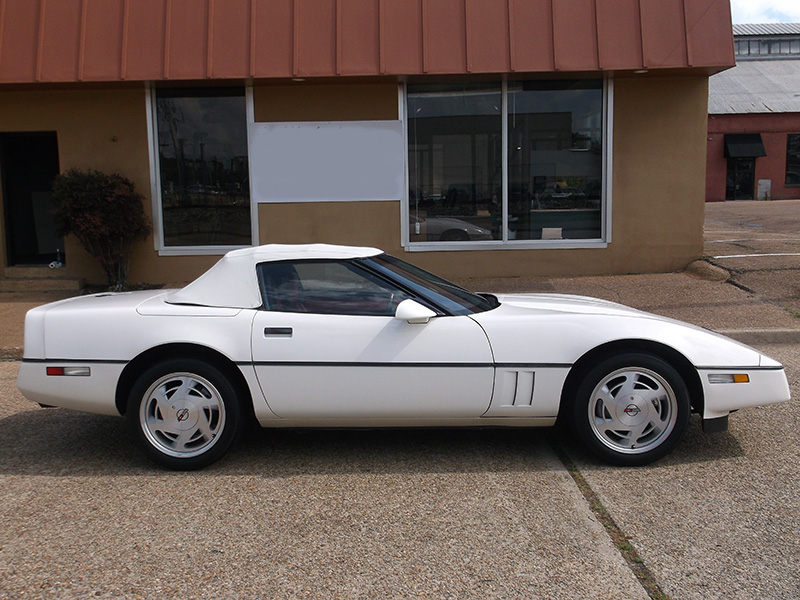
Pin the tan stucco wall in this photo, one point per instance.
(304, 101)
(358, 223)
(659, 173)
(658, 199)
(101, 129)
(658, 177)
(92, 132)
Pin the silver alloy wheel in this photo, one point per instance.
(633, 410)
(182, 415)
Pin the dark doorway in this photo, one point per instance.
(741, 179)
(28, 165)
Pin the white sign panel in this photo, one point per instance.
(324, 162)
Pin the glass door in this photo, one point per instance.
(741, 179)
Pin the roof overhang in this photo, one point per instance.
(206, 40)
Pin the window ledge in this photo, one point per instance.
(516, 245)
(197, 250)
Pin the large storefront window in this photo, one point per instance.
(546, 183)
(793, 159)
(455, 161)
(203, 167)
(555, 160)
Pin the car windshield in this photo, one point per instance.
(448, 296)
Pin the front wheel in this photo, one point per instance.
(631, 409)
(184, 413)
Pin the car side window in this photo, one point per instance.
(327, 287)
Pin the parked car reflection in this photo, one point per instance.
(560, 197)
(446, 229)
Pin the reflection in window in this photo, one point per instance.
(793, 159)
(328, 288)
(455, 161)
(551, 186)
(555, 161)
(202, 148)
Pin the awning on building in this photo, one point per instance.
(162, 40)
(744, 145)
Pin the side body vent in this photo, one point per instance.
(515, 387)
(525, 391)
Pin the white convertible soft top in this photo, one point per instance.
(233, 283)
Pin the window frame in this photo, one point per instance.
(524, 244)
(388, 272)
(353, 266)
(155, 184)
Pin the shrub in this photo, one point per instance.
(105, 213)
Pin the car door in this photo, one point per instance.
(327, 346)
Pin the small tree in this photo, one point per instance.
(105, 213)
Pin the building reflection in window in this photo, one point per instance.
(554, 161)
(202, 148)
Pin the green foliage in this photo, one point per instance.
(105, 213)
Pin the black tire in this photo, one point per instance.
(184, 413)
(631, 409)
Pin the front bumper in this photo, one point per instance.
(765, 386)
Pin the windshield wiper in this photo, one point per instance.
(491, 298)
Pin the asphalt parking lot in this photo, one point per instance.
(435, 513)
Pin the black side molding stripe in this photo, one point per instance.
(72, 361)
(407, 365)
(780, 368)
(533, 365)
(287, 363)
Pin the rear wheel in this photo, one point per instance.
(185, 414)
(631, 409)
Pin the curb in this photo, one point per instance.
(704, 269)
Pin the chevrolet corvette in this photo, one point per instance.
(334, 336)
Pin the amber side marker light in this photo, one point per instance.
(68, 371)
(728, 378)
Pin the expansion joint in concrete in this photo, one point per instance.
(618, 537)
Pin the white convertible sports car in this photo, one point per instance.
(334, 336)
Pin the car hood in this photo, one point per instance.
(559, 329)
(564, 303)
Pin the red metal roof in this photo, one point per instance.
(135, 40)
